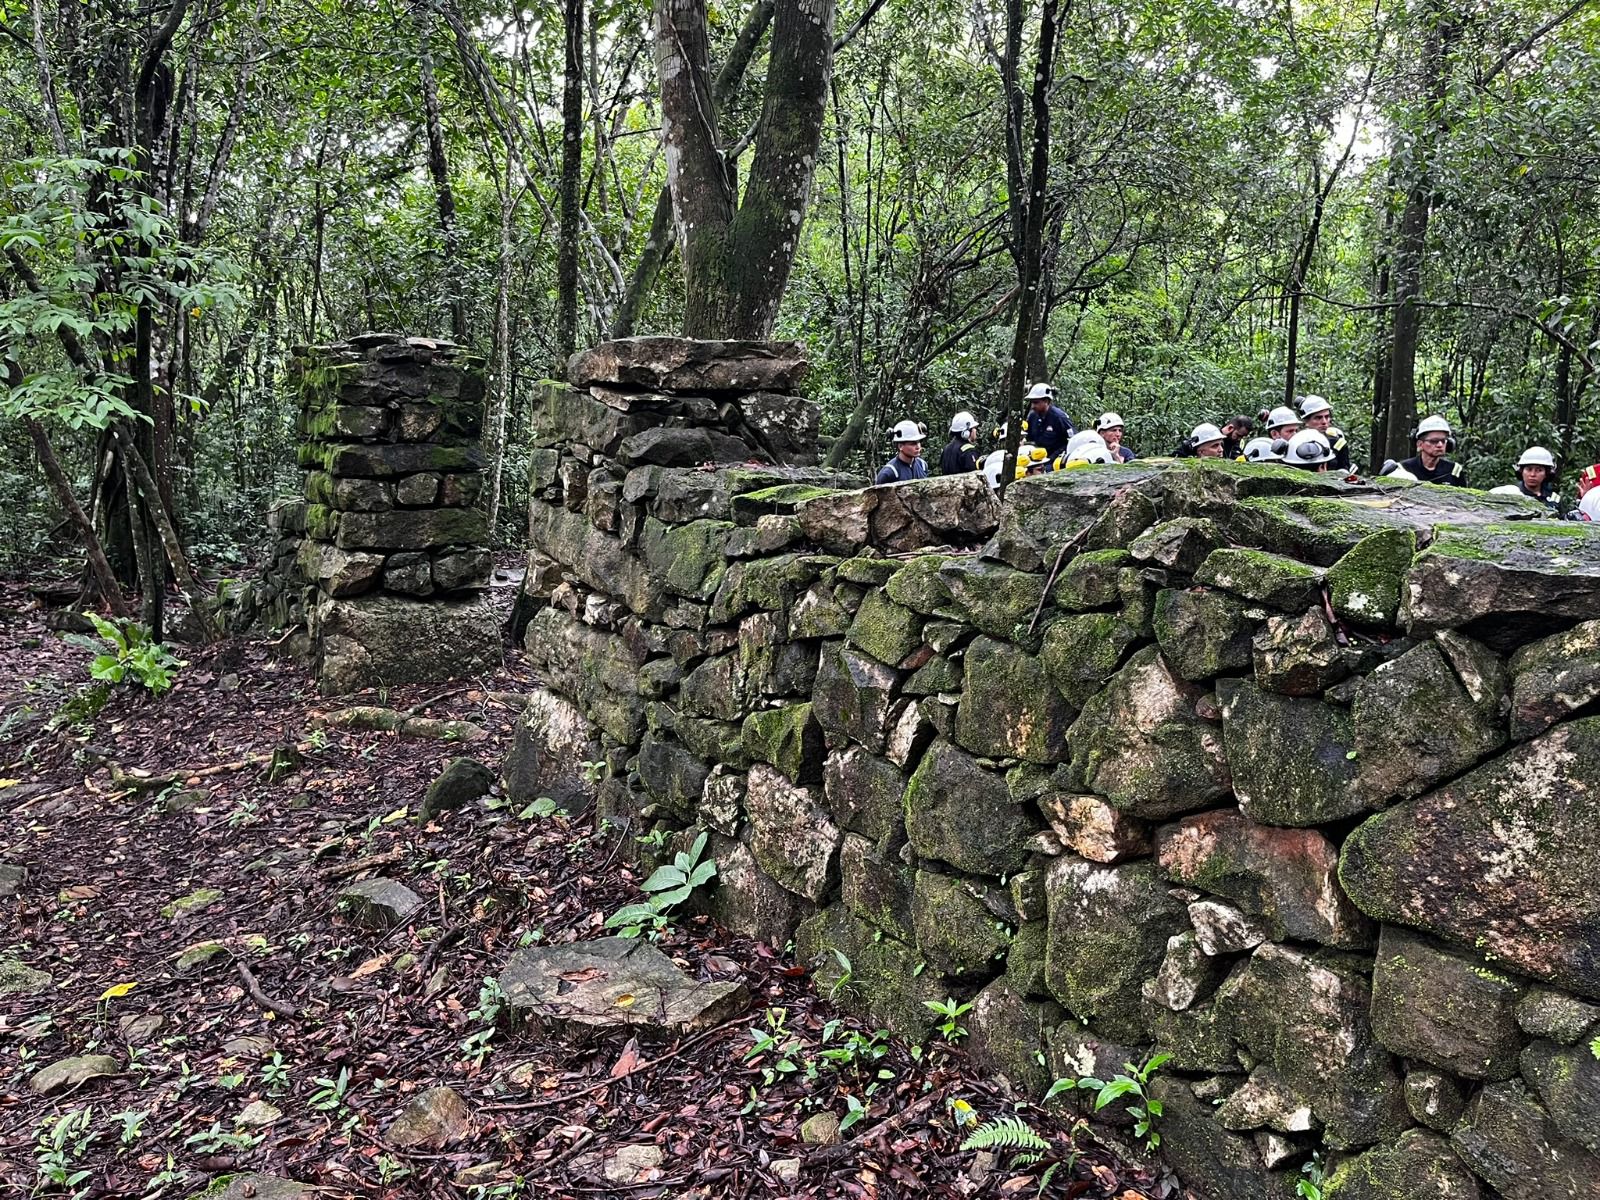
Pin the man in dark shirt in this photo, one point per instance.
(907, 461)
(1044, 424)
(1235, 432)
(1430, 464)
(961, 451)
(1317, 414)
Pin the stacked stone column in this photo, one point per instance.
(395, 551)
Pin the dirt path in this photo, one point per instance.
(236, 866)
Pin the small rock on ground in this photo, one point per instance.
(820, 1129)
(461, 782)
(258, 1114)
(436, 1118)
(17, 978)
(379, 903)
(69, 1072)
(620, 1164)
(11, 876)
(259, 1187)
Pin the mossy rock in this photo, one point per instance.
(773, 583)
(939, 674)
(866, 795)
(998, 600)
(1180, 544)
(1201, 633)
(1010, 1034)
(17, 978)
(872, 572)
(1364, 585)
(918, 586)
(1418, 1164)
(1008, 709)
(1293, 761)
(878, 887)
(1262, 578)
(1025, 957)
(688, 559)
(889, 632)
(1081, 652)
(192, 903)
(955, 930)
(959, 813)
(1089, 581)
(789, 738)
(1199, 1038)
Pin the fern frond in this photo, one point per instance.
(1004, 1133)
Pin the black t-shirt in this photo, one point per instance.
(959, 456)
(1447, 471)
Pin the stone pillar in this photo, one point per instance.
(395, 552)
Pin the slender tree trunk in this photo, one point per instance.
(151, 496)
(501, 392)
(99, 567)
(571, 172)
(439, 171)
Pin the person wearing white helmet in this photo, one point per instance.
(907, 462)
(1316, 413)
(1205, 441)
(1309, 450)
(961, 451)
(1395, 473)
(1261, 450)
(1109, 427)
(1282, 424)
(1044, 424)
(1434, 441)
(1088, 454)
(1535, 478)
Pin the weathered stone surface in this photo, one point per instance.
(748, 900)
(599, 671)
(1567, 1079)
(877, 886)
(955, 930)
(1444, 1007)
(961, 814)
(1510, 1142)
(1202, 634)
(1180, 545)
(338, 572)
(1109, 928)
(717, 688)
(1081, 652)
(1009, 1034)
(1553, 678)
(387, 461)
(460, 570)
(1265, 1101)
(435, 1118)
(1025, 959)
(582, 983)
(996, 599)
(675, 778)
(1089, 581)
(1217, 1164)
(791, 834)
(1305, 1015)
(411, 529)
(1007, 710)
(1418, 1164)
(786, 427)
(1504, 860)
(1545, 1013)
(1540, 568)
(552, 741)
(1188, 974)
(1434, 1099)
(680, 446)
(1262, 578)
(1364, 585)
(887, 631)
(628, 1165)
(1415, 724)
(379, 903)
(462, 781)
(410, 574)
(1298, 656)
(1223, 929)
(1139, 743)
(381, 641)
(1291, 759)
(917, 584)
(687, 559)
(787, 738)
(853, 697)
(1199, 1038)
(1092, 829)
(1043, 512)
(598, 559)
(866, 794)
(897, 517)
(17, 978)
(773, 664)
(817, 613)
(690, 365)
(1286, 877)
(70, 1072)
(413, 491)
(12, 876)
(251, 1186)
(885, 978)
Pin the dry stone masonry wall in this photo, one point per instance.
(1294, 780)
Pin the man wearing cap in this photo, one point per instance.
(1429, 464)
(1317, 413)
(907, 461)
(1044, 424)
(961, 451)
(1109, 427)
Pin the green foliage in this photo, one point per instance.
(950, 1013)
(1005, 1133)
(1310, 1187)
(125, 653)
(668, 886)
(1133, 1081)
(62, 1142)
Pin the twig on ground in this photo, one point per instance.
(416, 710)
(253, 990)
(340, 870)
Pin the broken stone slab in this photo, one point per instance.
(1510, 569)
(866, 795)
(1092, 829)
(1298, 656)
(1180, 545)
(786, 427)
(1443, 1007)
(382, 641)
(690, 365)
(70, 1072)
(1504, 861)
(1082, 651)
(853, 697)
(1553, 678)
(612, 982)
(462, 781)
(552, 742)
(338, 572)
(411, 529)
(955, 929)
(1222, 929)
(1418, 1164)
(1010, 1036)
(748, 900)
(791, 835)
(1285, 877)
(1511, 1143)
(379, 903)
(434, 1118)
(1265, 1101)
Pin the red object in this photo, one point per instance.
(1587, 478)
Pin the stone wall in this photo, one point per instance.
(395, 551)
(1294, 780)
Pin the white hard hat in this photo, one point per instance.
(1261, 450)
(1308, 448)
(1506, 489)
(1205, 432)
(1310, 406)
(1394, 471)
(1433, 425)
(1108, 421)
(907, 431)
(1078, 440)
(1537, 456)
(1040, 391)
(962, 422)
(993, 463)
(1089, 452)
(1282, 415)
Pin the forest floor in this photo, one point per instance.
(124, 873)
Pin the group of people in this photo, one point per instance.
(1306, 439)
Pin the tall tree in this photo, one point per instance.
(439, 172)
(571, 177)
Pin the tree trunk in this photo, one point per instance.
(571, 170)
(439, 171)
(501, 392)
(99, 567)
(134, 462)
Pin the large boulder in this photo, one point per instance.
(381, 641)
(1008, 709)
(1201, 633)
(1507, 569)
(1140, 744)
(961, 814)
(1109, 927)
(1553, 678)
(1292, 760)
(549, 749)
(1285, 877)
(1504, 860)
(1511, 1143)
(1418, 1164)
(690, 365)
(790, 833)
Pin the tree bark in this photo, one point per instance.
(439, 171)
(99, 566)
(571, 171)
(500, 394)
(150, 494)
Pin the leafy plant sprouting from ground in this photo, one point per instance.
(1310, 1188)
(951, 1011)
(669, 885)
(123, 652)
(1031, 1148)
(1131, 1081)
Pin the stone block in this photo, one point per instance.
(552, 742)
(866, 794)
(678, 446)
(1508, 569)
(1180, 545)
(1081, 652)
(996, 599)
(786, 427)
(889, 632)
(1092, 829)
(877, 886)
(461, 570)
(1553, 678)
(787, 738)
(1202, 634)
(417, 491)
(1418, 1164)
(690, 365)
(1009, 1034)
(1567, 1080)
(853, 697)
(1364, 585)
(1511, 1143)
(675, 778)
(409, 573)
(1089, 581)
(791, 835)
(339, 573)
(955, 929)
(1262, 578)
(1298, 656)
(381, 641)
(961, 814)
(1293, 761)
(416, 529)
(1008, 709)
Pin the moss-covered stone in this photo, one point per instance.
(939, 674)
(1318, 529)
(717, 689)
(1214, 1162)
(1299, 656)
(1081, 652)
(193, 902)
(998, 600)
(1138, 601)
(854, 696)
(866, 794)
(1292, 760)
(1262, 578)
(1180, 544)
(322, 523)
(1418, 1164)
(877, 886)
(1202, 634)
(1510, 1143)
(774, 583)
(1089, 581)
(1567, 1079)
(1008, 709)
(917, 585)
(674, 778)
(1540, 569)
(788, 738)
(817, 613)
(870, 572)
(1364, 585)
(1025, 959)
(886, 630)
(961, 814)
(688, 559)
(1126, 515)
(1546, 1013)
(773, 663)
(956, 931)
(1434, 1098)
(791, 834)
(1553, 678)
(1010, 1032)
(1199, 1038)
